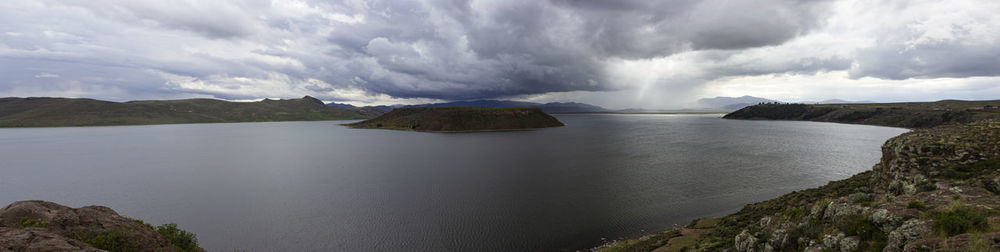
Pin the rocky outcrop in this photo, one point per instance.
(47, 226)
(39, 239)
(934, 189)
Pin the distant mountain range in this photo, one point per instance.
(552, 107)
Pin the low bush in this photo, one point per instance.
(916, 205)
(959, 220)
(32, 223)
(114, 240)
(859, 197)
(183, 241)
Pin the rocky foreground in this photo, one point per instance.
(935, 189)
(47, 226)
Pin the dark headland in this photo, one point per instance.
(937, 188)
(58, 112)
(904, 115)
(460, 119)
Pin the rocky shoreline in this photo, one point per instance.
(935, 189)
(46, 226)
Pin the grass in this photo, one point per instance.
(916, 205)
(32, 223)
(119, 240)
(959, 220)
(114, 240)
(872, 237)
(645, 243)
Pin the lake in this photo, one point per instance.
(318, 186)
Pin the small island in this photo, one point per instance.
(460, 119)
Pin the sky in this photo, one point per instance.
(613, 53)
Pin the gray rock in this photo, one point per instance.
(840, 209)
(779, 239)
(39, 239)
(817, 211)
(831, 242)
(849, 244)
(992, 184)
(62, 221)
(908, 232)
(885, 220)
(766, 221)
(746, 242)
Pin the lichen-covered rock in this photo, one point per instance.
(992, 184)
(746, 242)
(766, 221)
(885, 220)
(832, 242)
(817, 211)
(778, 238)
(39, 239)
(835, 209)
(848, 244)
(908, 232)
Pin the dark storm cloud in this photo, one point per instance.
(529, 47)
(442, 49)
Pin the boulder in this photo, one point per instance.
(56, 226)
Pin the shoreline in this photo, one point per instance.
(864, 184)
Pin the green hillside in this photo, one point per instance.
(458, 119)
(55, 112)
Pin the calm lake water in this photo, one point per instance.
(318, 186)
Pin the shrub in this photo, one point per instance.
(871, 236)
(32, 223)
(916, 205)
(142, 222)
(959, 220)
(183, 241)
(859, 197)
(926, 186)
(114, 240)
(861, 226)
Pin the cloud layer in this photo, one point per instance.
(410, 51)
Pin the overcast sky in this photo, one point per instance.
(615, 53)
